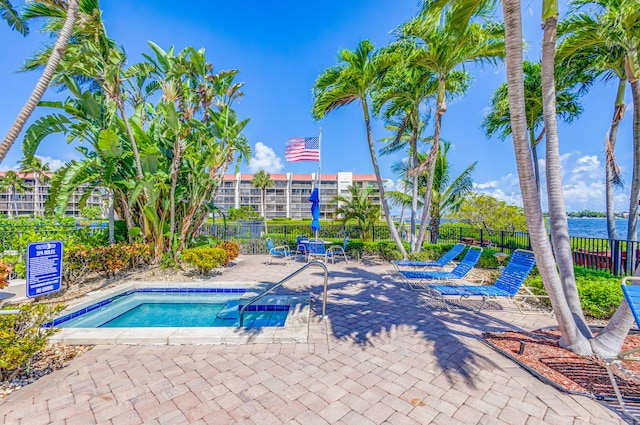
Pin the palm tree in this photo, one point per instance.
(9, 14)
(619, 28)
(358, 206)
(585, 45)
(572, 336)
(262, 180)
(447, 195)
(448, 37)
(498, 119)
(12, 183)
(38, 168)
(403, 91)
(559, 227)
(353, 79)
(42, 84)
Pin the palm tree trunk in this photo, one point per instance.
(264, 208)
(534, 158)
(414, 182)
(175, 166)
(383, 199)
(132, 138)
(557, 209)
(441, 108)
(35, 194)
(610, 162)
(545, 261)
(42, 84)
(635, 186)
(112, 235)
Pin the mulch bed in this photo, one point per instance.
(542, 355)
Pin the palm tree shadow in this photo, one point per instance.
(368, 309)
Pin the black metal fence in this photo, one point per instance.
(619, 257)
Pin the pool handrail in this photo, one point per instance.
(324, 295)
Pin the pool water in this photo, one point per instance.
(173, 309)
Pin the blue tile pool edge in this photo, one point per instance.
(296, 330)
(126, 292)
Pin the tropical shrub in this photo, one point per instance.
(75, 264)
(205, 259)
(80, 260)
(600, 293)
(429, 252)
(232, 250)
(22, 335)
(92, 213)
(139, 254)
(5, 270)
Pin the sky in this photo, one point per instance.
(280, 48)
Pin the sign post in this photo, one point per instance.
(44, 268)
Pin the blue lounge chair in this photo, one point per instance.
(278, 251)
(418, 279)
(507, 285)
(440, 262)
(632, 296)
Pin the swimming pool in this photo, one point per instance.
(153, 313)
(175, 307)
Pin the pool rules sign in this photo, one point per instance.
(44, 268)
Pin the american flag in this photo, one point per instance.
(303, 149)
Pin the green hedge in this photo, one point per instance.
(600, 293)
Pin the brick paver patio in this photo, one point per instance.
(386, 355)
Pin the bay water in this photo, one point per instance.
(595, 227)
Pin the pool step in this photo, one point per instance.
(230, 311)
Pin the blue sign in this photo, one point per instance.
(44, 268)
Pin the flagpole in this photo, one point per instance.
(318, 179)
(319, 157)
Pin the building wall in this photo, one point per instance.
(24, 203)
(289, 196)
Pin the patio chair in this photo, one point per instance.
(335, 250)
(632, 296)
(506, 286)
(418, 279)
(301, 244)
(278, 251)
(439, 263)
(317, 249)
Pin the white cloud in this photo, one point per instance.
(583, 185)
(54, 164)
(507, 189)
(265, 159)
(389, 184)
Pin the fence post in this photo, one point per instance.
(615, 256)
(373, 233)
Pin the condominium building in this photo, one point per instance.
(289, 196)
(24, 201)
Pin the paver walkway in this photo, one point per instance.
(384, 356)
